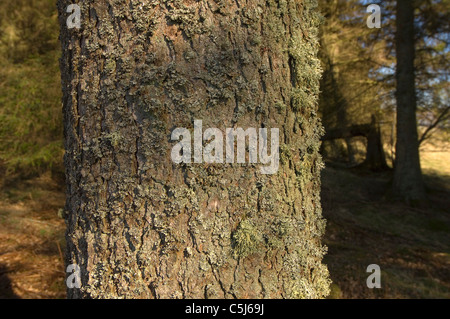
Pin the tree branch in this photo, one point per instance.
(440, 118)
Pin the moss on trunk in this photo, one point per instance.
(140, 225)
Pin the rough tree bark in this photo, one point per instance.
(407, 184)
(140, 226)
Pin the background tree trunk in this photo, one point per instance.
(408, 183)
(375, 158)
(140, 225)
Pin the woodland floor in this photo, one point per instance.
(32, 239)
(411, 245)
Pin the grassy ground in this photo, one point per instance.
(31, 239)
(412, 246)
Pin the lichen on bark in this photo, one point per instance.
(139, 225)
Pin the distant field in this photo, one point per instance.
(435, 162)
(435, 159)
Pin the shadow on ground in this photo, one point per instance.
(410, 245)
(31, 240)
(6, 291)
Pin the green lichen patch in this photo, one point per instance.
(246, 239)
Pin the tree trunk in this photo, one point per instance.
(408, 183)
(375, 158)
(140, 225)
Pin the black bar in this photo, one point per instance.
(256, 308)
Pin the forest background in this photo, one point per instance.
(366, 222)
